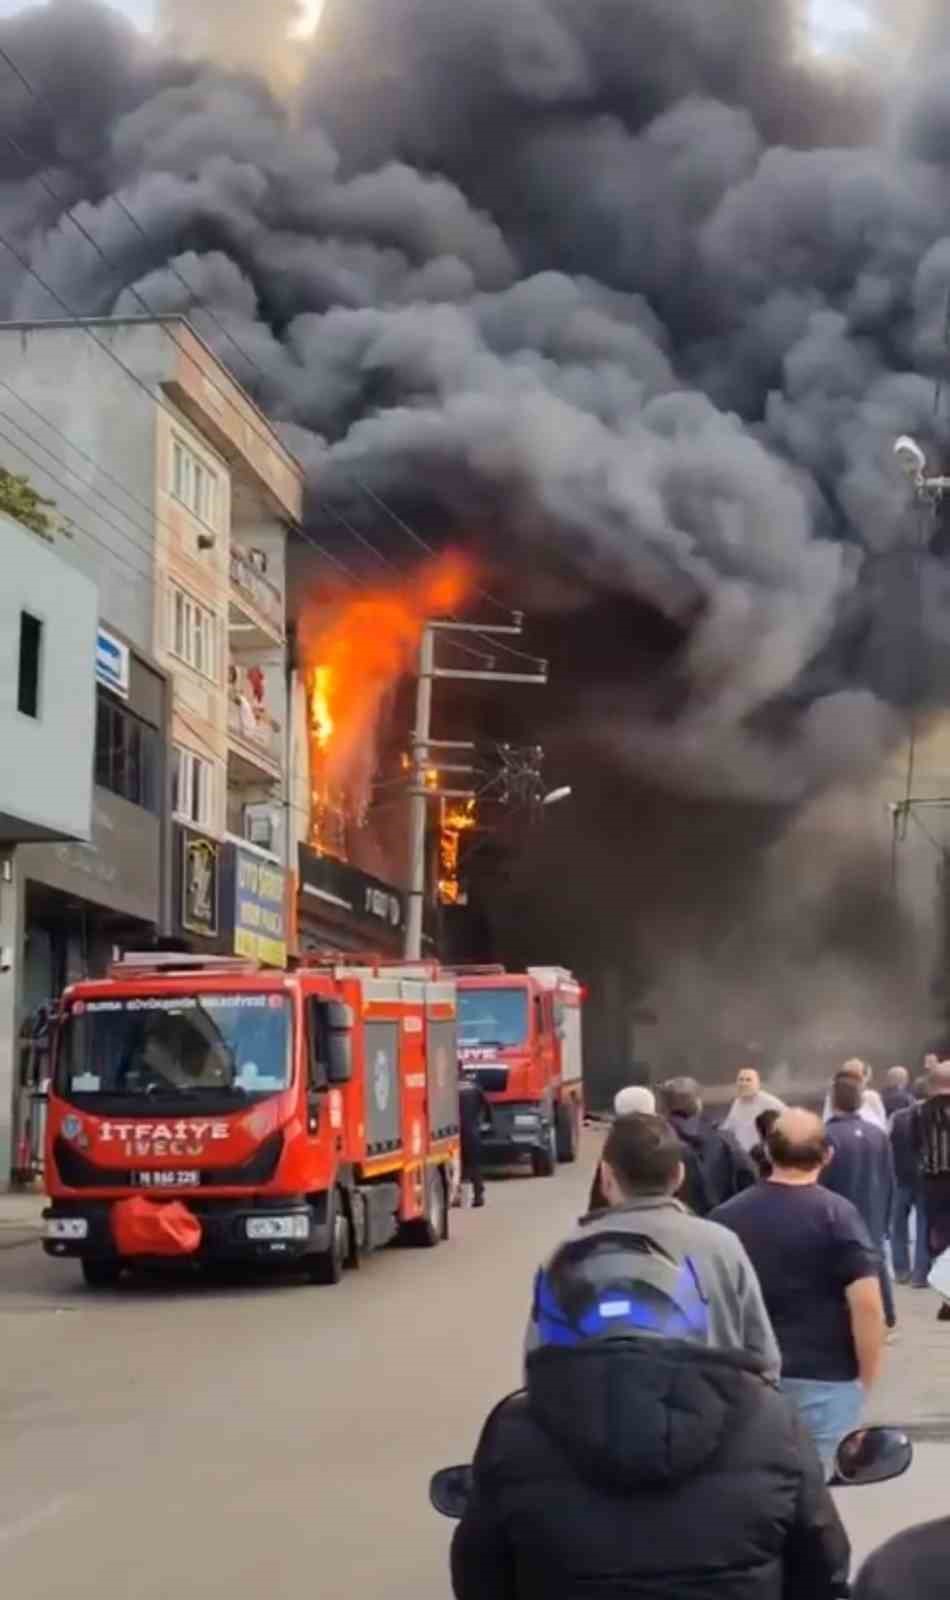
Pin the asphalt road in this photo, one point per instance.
(271, 1439)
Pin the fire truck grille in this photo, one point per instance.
(493, 1080)
(79, 1173)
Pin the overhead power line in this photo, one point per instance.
(142, 577)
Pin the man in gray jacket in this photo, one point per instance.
(641, 1170)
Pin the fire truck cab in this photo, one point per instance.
(308, 1115)
(520, 1038)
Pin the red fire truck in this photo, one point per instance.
(209, 1108)
(520, 1037)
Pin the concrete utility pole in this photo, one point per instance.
(422, 746)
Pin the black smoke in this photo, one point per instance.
(631, 295)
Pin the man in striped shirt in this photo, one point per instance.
(932, 1138)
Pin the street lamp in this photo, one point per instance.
(557, 795)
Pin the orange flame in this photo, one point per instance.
(456, 820)
(360, 654)
(321, 715)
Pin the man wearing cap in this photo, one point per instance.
(633, 1100)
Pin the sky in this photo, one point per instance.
(833, 20)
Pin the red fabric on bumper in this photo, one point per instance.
(140, 1227)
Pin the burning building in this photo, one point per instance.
(636, 311)
(354, 652)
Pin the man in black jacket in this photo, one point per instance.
(717, 1167)
(862, 1170)
(909, 1195)
(639, 1460)
(473, 1107)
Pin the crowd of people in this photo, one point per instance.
(702, 1343)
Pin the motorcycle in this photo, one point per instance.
(868, 1455)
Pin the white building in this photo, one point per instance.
(48, 629)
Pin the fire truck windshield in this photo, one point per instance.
(213, 1047)
(496, 1017)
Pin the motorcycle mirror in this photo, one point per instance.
(449, 1491)
(872, 1455)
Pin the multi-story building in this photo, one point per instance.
(48, 621)
(175, 496)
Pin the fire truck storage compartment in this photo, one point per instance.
(441, 1063)
(383, 1107)
(381, 1214)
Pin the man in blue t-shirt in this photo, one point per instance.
(819, 1274)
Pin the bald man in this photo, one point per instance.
(819, 1274)
(750, 1102)
(872, 1106)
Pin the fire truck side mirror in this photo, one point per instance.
(339, 1042)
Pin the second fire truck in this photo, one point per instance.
(520, 1038)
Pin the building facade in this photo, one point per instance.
(48, 627)
(176, 497)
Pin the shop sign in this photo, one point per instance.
(199, 887)
(260, 931)
(342, 887)
(112, 663)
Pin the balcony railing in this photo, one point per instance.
(256, 590)
(255, 729)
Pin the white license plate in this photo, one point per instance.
(166, 1180)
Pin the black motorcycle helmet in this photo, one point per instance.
(615, 1285)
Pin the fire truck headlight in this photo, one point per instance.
(264, 1228)
(67, 1228)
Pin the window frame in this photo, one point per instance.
(196, 774)
(194, 482)
(30, 704)
(193, 632)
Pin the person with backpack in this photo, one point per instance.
(715, 1166)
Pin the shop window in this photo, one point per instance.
(127, 754)
(28, 681)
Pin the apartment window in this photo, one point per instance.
(194, 483)
(192, 787)
(127, 754)
(192, 632)
(28, 679)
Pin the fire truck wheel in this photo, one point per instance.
(328, 1266)
(430, 1230)
(544, 1161)
(567, 1131)
(101, 1274)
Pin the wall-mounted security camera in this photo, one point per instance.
(911, 457)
